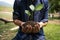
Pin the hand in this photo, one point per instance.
(22, 23)
(26, 28)
(36, 28)
(41, 24)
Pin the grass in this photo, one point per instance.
(5, 27)
(5, 32)
(54, 18)
(52, 31)
(6, 12)
(3, 8)
(6, 16)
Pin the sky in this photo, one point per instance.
(8, 1)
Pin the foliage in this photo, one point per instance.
(33, 8)
(39, 7)
(54, 5)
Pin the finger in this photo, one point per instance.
(37, 28)
(33, 30)
(29, 29)
(23, 29)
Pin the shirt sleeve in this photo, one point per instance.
(16, 14)
(45, 19)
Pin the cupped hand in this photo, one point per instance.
(36, 28)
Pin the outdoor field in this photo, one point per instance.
(52, 30)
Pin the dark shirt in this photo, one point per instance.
(39, 16)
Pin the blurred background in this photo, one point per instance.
(8, 29)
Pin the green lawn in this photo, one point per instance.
(52, 31)
(5, 32)
(5, 27)
(3, 8)
(7, 16)
(6, 12)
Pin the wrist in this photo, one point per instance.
(41, 24)
(22, 23)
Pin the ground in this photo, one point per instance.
(54, 21)
(52, 30)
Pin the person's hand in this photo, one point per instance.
(26, 28)
(41, 24)
(31, 27)
(36, 28)
(22, 23)
(23, 28)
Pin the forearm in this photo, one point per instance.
(18, 22)
(44, 21)
(43, 24)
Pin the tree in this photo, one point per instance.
(54, 6)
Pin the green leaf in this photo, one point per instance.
(27, 12)
(32, 7)
(39, 7)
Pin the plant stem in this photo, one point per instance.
(31, 18)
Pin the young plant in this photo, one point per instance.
(33, 8)
(31, 26)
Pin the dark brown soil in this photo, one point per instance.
(33, 27)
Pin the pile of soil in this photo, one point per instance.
(33, 27)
